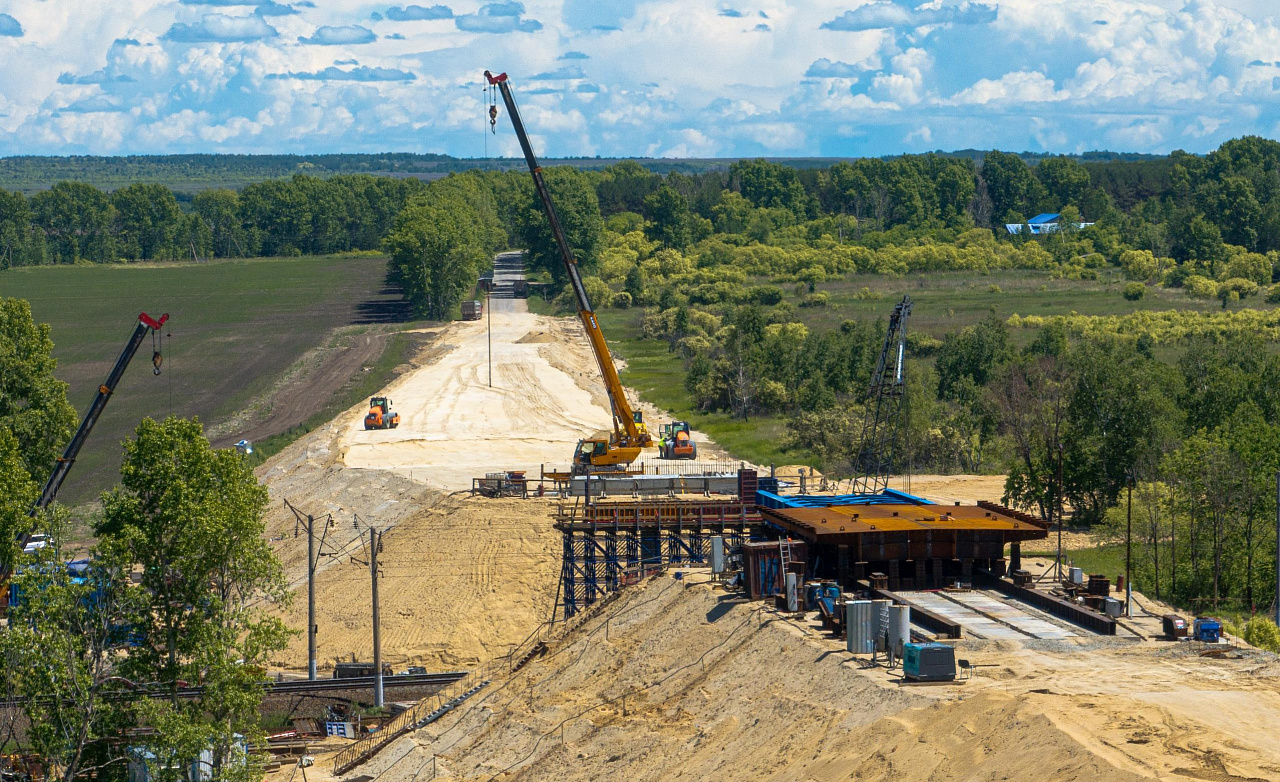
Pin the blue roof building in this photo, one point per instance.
(1043, 223)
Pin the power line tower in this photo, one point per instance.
(880, 426)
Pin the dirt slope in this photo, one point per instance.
(719, 688)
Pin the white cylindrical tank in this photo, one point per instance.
(793, 593)
(899, 628)
(717, 554)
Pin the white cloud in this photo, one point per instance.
(1017, 87)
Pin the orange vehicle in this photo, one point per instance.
(380, 415)
(677, 441)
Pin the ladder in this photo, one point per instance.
(784, 554)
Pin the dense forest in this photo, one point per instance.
(727, 262)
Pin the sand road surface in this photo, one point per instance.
(454, 427)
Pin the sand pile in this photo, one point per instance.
(718, 688)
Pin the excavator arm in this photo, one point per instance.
(628, 426)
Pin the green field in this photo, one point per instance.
(235, 328)
(943, 302)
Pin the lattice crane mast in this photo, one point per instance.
(881, 424)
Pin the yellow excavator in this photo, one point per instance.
(621, 447)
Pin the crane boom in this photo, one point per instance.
(63, 466)
(629, 431)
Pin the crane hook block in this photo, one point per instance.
(156, 361)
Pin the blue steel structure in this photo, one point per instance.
(610, 543)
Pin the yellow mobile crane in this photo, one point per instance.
(629, 432)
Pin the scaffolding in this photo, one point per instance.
(611, 543)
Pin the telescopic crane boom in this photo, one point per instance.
(629, 432)
(63, 466)
(146, 324)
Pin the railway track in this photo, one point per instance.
(288, 686)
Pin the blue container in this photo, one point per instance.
(812, 591)
(1208, 630)
(830, 589)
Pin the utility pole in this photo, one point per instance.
(1277, 598)
(311, 599)
(375, 540)
(1128, 555)
(1057, 567)
(488, 306)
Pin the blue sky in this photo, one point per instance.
(662, 78)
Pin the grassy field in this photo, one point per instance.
(234, 328)
(943, 302)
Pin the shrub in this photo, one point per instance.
(1273, 295)
(1262, 633)
(867, 294)
(1239, 286)
(1199, 287)
(994, 289)
(767, 295)
(818, 299)
(621, 300)
(1134, 291)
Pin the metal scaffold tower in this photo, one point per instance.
(884, 407)
(608, 545)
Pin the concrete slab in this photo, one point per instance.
(972, 621)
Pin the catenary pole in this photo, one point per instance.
(311, 598)
(1128, 555)
(374, 542)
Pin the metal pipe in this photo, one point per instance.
(374, 540)
(311, 598)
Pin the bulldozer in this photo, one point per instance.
(677, 441)
(380, 415)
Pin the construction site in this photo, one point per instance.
(608, 605)
(506, 566)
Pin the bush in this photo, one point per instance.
(1134, 291)
(767, 295)
(1262, 633)
(621, 300)
(1237, 285)
(819, 299)
(1198, 287)
(994, 289)
(1273, 295)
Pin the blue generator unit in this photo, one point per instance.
(1208, 630)
(930, 662)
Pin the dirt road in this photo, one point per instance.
(454, 427)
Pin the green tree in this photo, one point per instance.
(669, 218)
(33, 403)
(435, 255)
(770, 185)
(220, 211)
(147, 222)
(189, 518)
(1065, 181)
(579, 213)
(1012, 187)
(20, 243)
(67, 636)
(974, 354)
(77, 220)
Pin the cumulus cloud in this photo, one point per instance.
(1015, 87)
(339, 35)
(573, 56)
(878, 15)
(732, 13)
(418, 13)
(219, 28)
(95, 104)
(827, 69)
(263, 7)
(9, 27)
(506, 17)
(362, 73)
